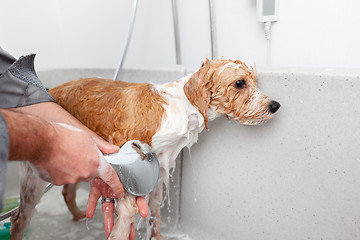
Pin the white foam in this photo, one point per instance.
(70, 127)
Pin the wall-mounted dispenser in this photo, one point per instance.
(267, 12)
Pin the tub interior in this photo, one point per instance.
(294, 177)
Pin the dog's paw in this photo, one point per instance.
(79, 215)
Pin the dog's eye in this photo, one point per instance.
(240, 83)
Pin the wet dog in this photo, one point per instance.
(168, 117)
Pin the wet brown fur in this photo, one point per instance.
(213, 85)
(103, 106)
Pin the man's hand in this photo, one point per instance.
(100, 188)
(62, 153)
(71, 156)
(62, 148)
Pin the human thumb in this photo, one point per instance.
(105, 147)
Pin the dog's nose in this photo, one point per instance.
(274, 106)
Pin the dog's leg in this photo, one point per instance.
(155, 208)
(126, 209)
(32, 188)
(69, 194)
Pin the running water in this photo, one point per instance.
(193, 173)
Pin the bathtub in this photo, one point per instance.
(295, 177)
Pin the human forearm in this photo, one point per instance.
(52, 112)
(29, 136)
(61, 153)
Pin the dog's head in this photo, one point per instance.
(229, 87)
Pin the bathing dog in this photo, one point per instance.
(168, 117)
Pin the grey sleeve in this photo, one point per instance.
(19, 84)
(4, 154)
(5, 60)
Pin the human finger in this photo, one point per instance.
(108, 216)
(109, 176)
(143, 206)
(132, 232)
(94, 196)
(104, 146)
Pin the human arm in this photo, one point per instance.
(61, 155)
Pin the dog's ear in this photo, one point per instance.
(198, 89)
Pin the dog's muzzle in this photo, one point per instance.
(274, 106)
